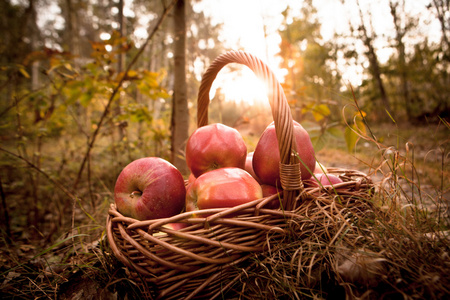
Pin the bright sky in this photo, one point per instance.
(245, 24)
(243, 28)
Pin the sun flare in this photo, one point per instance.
(240, 85)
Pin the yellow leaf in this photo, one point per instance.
(24, 72)
(351, 138)
(360, 114)
(68, 66)
(132, 74)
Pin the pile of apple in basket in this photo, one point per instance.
(222, 175)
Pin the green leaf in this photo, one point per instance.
(320, 111)
(351, 138)
(308, 107)
(390, 116)
(319, 142)
(335, 131)
(85, 99)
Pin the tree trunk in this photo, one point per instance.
(72, 32)
(180, 112)
(123, 32)
(120, 68)
(33, 31)
(442, 7)
(374, 64)
(34, 38)
(400, 33)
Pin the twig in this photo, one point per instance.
(17, 100)
(116, 89)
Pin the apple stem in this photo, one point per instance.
(137, 193)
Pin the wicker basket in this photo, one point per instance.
(212, 253)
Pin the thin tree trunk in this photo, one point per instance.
(72, 32)
(442, 7)
(34, 38)
(180, 112)
(34, 178)
(374, 64)
(400, 33)
(123, 32)
(120, 68)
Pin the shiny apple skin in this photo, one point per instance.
(319, 168)
(324, 179)
(266, 158)
(225, 187)
(150, 188)
(215, 146)
(249, 165)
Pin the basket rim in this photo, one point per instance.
(212, 215)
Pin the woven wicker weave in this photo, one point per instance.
(204, 259)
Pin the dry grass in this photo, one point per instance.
(395, 245)
(357, 250)
(392, 245)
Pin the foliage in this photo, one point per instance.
(311, 81)
(414, 79)
(308, 60)
(48, 126)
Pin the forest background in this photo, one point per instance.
(88, 86)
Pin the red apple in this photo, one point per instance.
(213, 147)
(225, 187)
(266, 158)
(190, 181)
(324, 179)
(319, 168)
(269, 190)
(191, 178)
(149, 188)
(176, 226)
(249, 165)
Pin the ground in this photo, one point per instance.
(73, 268)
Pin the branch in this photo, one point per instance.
(116, 89)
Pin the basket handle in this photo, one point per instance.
(281, 113)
